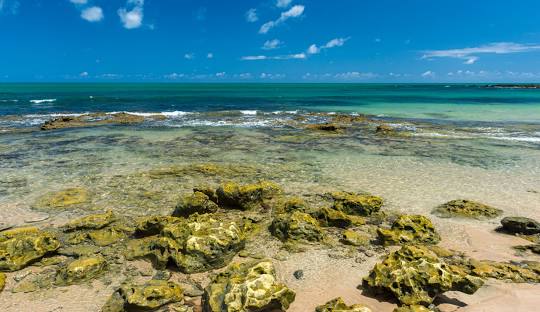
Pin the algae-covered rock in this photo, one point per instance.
(410, 229)
(67, 198)
(415, 275)
(36, 281)
(198, 202)
(153, 225)
(91, 222)
(520, 225)
(327, 127)
(336, 218)
(196, 244)
(338, 305)
(290, 204)
(148, 296)
(413, 308)
(19, 248)
(518, 272)
(296, 226)
(246, 197)
(356, 204)
(534, 248)
(247, 287)
(353, 238)
(81, 270)
(2, 281)
(466, 209)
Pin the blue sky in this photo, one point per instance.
(270, 40)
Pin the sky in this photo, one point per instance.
(270, 40)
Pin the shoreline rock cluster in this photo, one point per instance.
(213, 225)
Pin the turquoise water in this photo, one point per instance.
(455, 102)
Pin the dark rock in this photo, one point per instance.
(298, 274)
(520, 225)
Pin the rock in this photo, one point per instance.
(247, 287)
(335, 218)
(81, 270)
(326, 127)
(21, 247)
(88, 120)
(535, 248)
(415, 275)
(466, 209)
(356, 204)
(520, 225)
(196, 244)
(290, 204)
(338, 305)
(413, 308)
(385, 129)
(297, 226)
(527, 272)
(64, 199)
(153, 225)
(354, 239)
(246, 197)
(2, 281)
(409, 229)
(298, 274)
(197, 202)
(91, 222)
(148, 296)
(36, 281)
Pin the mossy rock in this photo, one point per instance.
(297, 226)
(36, 281)
(409, 229)
(64, 199)
(153, 225)
(91, 222)
(2, 281)
(247, 287)
(81, 270)
(148, 296)
(415, 275)
(330, 217)
(356, 204)
(517, 273)
(413, 308)
(21, 247)
(338, 305)
(327, 127)
(154, 248)
(463, 208)
(198, 202)
(534, 248)
(246, 197)
(354, 239)
(290, 204)
(520, 225)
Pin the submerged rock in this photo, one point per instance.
(466, 209)
(81, 270)
(410, 229)
(296, 226)
(21, 247)
(247, 287)
(338, 305)
(415, 275)
(96, 119)
(67, 198)
(36, 281)
(520, 225)
(327, 127)
(91, 222)
(246, 197)
(335, 218)
(196, 244)
(198, 202)
(148, 296)
(356, 204)
(385, 129)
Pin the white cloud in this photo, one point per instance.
(297, 56)
(84, 74)
(428, 74)
(174, 76)
(352, 75)
(221, 74)
(251, 16)
(132, 18)
(78, 1)
(295, 11)
(337, 42)
(469, 55)
(283, 3)
(92, 14)
(210, 55)
(189, 56)
(9, 6)
(272, 44)
(271, 76)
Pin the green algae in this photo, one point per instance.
(354, 239)
(330, 217)
(247, 196)
(356, 204)
(148, 296)
(2, 281)
(409, 229)
(21, 247)
(65, 199)
(463, 208)
(338, 305)
(81, 270)
(198, 202)
(246, 287)
(296, 226)
(91, 222)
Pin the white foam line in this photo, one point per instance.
(42, 101)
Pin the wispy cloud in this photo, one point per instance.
(189, 56)
(272, 44)
(79, 1)
(283, 3)
(92, 14)
(337, 42)
(132, 15)
(428, 74)
(295, 11)
(297, 56)
(251, 16)
(210, 55)
(470, 55)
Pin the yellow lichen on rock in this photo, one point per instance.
(67, 198)
(338, 305)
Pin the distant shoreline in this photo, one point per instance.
(514, 86)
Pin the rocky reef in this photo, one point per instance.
(356, 204)
(338, 305)
(463, 208)
(296, 226)
(143, 297)
(64, 199)
(89, 120)
(245, 287)
(410, 229)
(22, 246)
